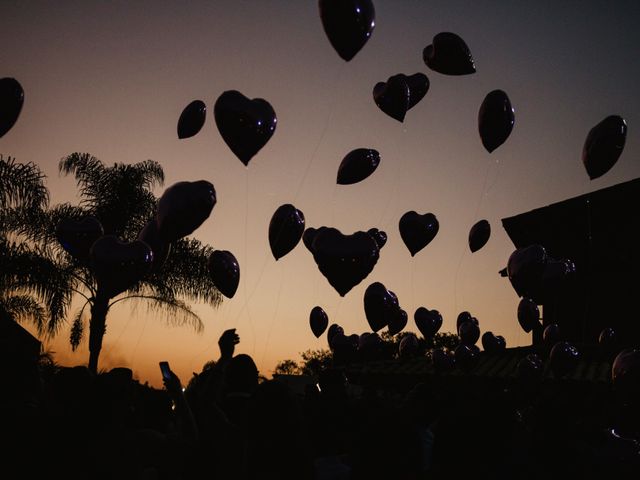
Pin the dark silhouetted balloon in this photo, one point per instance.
(449, 55)
(469, 333)
(466, 355)
(392, 96)
(408, 346)
(285, 230)
(479, 235)
(118, 265)
(465, 317)
(77, 236)
(183, 207)
(495, 119)
(530, 367)
(380, 306)
(345, 260)
(625, 375)
(493, 343)
(225, 272)
(308, 237)
(443, 360)
(318, 320)
(525, 268)
(398, 322)
(563, 358)
(417, 230)
(11, 100)
(427, 321)
(528, 314)
(348, 24)
(357, 165)
(603, 146)
(370, 346)
(379, 236)
(607, 337)
(160, 247)
(334, 330)
(192, 119)
(551, 334)
(245, 125)
(418, 88)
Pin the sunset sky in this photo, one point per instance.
(111, 79)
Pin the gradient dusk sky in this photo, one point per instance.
(112, 77)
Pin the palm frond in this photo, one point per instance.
(25, 308)
(185, 273)
(77, 328)
(22, 185)
(175, 311)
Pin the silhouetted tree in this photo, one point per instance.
(121, 198)
(287, 367)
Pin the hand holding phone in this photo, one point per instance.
(166, 371)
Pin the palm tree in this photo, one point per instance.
(120, 197)
(27, 292)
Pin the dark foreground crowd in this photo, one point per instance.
(66, 423)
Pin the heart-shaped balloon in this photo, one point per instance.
(118, 265)
(344, 348)
(449, 55)
(528, 314)
(551, 334)
(604, 145)
(479, 235)
(318, 321)
(333, 330)
(398, 322)
(11, 100)
(418, 88)
(625, 374)
(379, 236)
(525, 268)
(443, 360)
(607, 338)
(192, 119)
(530, 367)
(408, 346)
(417, 230)
(493, 343)
(285, 230)
(345, 260)
(495, 119)
(357, 165)
(464, 317)
(183, 207)
(427, 321)
(469, 333)
(348, 24)
(380, 306)
(563, 359)
(245, 125)
(160, 247)
(392, 96)
(77, 236)
(225, 272)
(466, 355)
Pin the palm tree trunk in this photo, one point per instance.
(97, 329)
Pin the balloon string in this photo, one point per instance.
(135, 349)
(275, 315)
(322, 135)
(246, 256)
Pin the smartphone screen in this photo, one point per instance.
(166, 371)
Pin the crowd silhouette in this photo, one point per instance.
(228, 422)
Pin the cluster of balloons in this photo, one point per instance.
(246, 125)
(537, 276)
(119, 265)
